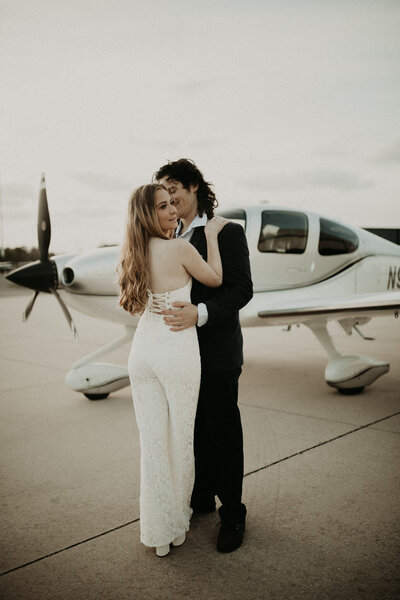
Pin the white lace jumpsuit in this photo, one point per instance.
(164, 369)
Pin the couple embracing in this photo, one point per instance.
(188, 274)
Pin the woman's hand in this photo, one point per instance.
(215, 225)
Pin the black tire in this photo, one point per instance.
(350, 391)
(96, 396)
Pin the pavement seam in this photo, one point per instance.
(89, 539)
(337, 437)
(386, 430)
(98, 535)
(295, 414)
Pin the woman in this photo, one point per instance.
(164, 366)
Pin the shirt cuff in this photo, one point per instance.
(202, 314)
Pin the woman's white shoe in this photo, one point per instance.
(178, 541)
(162, 550)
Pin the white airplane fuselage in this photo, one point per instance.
(306, 269)
(281, 278)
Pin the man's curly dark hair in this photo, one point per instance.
(185, 171)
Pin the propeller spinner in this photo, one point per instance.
(41, 275)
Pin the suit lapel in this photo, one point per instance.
(198, 239)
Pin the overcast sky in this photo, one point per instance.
(295, 102)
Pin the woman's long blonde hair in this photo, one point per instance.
(142, 224)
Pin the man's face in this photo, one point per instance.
(185, 201)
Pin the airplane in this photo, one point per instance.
(306, 268)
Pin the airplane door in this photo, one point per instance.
(278, 257)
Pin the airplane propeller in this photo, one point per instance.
(28, 309)
(41, 276)
(43, 224)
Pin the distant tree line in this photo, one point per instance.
(21, 254)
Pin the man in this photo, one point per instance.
(218, 439)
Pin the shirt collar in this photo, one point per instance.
(197, 222)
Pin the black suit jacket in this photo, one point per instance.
(220, 339)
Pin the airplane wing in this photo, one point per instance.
(364, 307)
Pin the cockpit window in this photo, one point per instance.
(237, 215)
(283, 232)
(336, 239)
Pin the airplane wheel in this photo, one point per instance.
(350, 391)
(96, 396)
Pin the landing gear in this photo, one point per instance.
(96, 396)
(97, 380)
(350, 391)
(348, 374)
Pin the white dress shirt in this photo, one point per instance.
(202, 314)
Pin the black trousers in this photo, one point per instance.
(218, 442)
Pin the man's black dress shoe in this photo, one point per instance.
(230, 536)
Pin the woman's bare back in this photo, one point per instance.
(167, 272)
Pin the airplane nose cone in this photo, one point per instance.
(38, 276)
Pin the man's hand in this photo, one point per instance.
(183, 318)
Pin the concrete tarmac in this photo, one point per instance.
(322, 481)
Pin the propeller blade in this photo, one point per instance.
(43, 226)
(38, 276)
(28, 309)
(65, 311)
